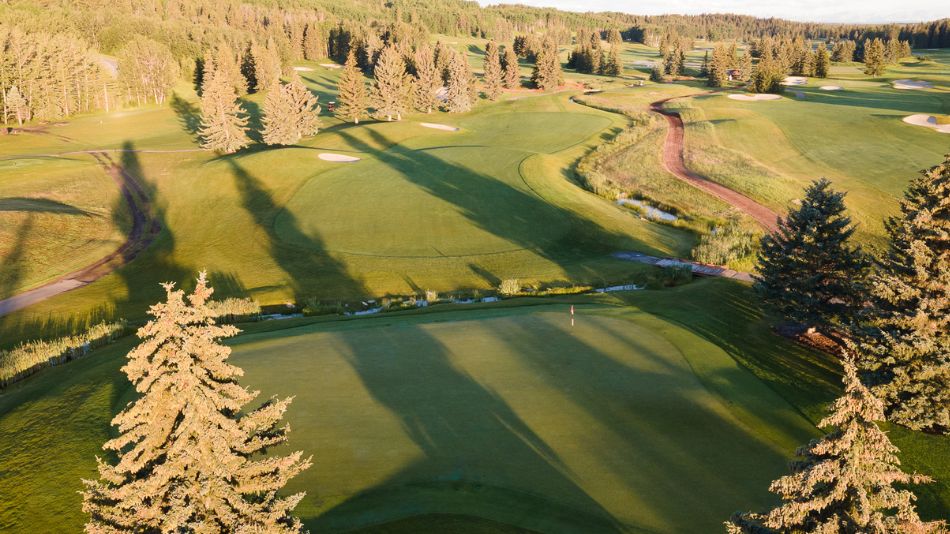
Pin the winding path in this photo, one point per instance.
(675, 164)
(144, 229)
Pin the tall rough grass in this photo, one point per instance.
(31, 356)
(233, 310)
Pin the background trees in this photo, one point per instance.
(147, 70)
(267, 65)
(547, 73)
(905, 348)
(459, 95)
(185, 449)
(290, 113)
(808, 270)
(874, 59)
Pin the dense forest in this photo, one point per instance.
(60, 57)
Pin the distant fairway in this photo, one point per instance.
(624, 421)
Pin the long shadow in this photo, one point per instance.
(188, 114)
(12, 271)
(496, 207)
(473, 445)
(40, 205)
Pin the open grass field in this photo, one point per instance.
(504, 413)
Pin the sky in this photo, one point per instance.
(803, 10)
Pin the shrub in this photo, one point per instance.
(510, 287)
(234, 310)
(32, 356)
(724, 244)
(431, 296)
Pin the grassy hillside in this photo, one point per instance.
(506, 413)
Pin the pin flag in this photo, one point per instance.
(572, 315)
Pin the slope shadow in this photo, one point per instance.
(41, 205)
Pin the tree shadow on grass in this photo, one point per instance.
(41, 205)
(188, 114)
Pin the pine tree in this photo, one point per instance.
(290, 113)
(906, 341)
(458, 96)
(844, 482)
(767, 77)
(547, 73)
(185, 449)
(428, 81)
(492, 79)
(351, 89)
(227, 64)
(874, 61)
(390, 94)
(822, 61)
(718, 68)
(614, 65)
(17, 106)
(656, 75)
(314, 43)
(512, 78)
(808, 271)
(704, 68)
(223, 119)
(266, 65)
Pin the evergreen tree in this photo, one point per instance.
(906, 342)
(428, 81)
(185, 449)
(290, 113)
(223, 119)
(718, 68)
(822, 61)
(808, 271)
(351, 89)
(512, 77)
(767, 77)
(267, 65)
(745, 67)
(547, 73)
(874, 61)
(390, 85)
(228, 65)
(458, 96)
(843, 51)
(314, 43)
(704, 68)
(845, 481)
(656, 74)
(614, 65)
(492, 79)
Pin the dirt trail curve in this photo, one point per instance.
(674, 163)
(143, 232)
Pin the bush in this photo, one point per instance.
(32, 356)
(724, 244)
(431, 296)
(510, 287)
(234, 310)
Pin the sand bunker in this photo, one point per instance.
(795, 80)
(435, 126)
(927, 121)
(762, 96)
(303, 69)
(331, 65)
(339, 158)
(830, 87)
(912, 84)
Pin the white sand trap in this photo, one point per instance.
(339, 158)
(761, 96)
(927, 121)
(830, 87)
(795, 80)
(435, 126)
(331, 65)
(912, 84)
(303, 69)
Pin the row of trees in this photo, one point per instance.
(892, 317)
(590, 57)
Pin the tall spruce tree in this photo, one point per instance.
(808, 271)
(267, 65)
(547, 73)
(228, 65)
(458, 94)
(351, 92)
(492, 78)
(428, 80)
(822, 61)
(223, 119)
(844, 482)
(874, 57)
(613, 64)
(906, 338)
(718, 68)
(512, 78)
(391, 84)
(186, 450)
(290, 113)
